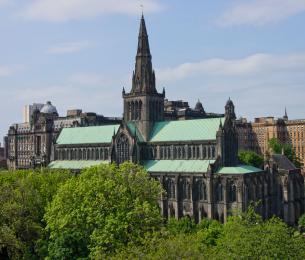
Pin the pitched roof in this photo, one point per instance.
(74, 165)
(134, 130)
(186, 130)
(87, 135)
(192, 166)
(283, 162)
(241, 169)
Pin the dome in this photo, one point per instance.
(48, 109)
(199, 106)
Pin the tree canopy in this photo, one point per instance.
(251, 158)
(111, 212)
(23, 198)
(105, 208)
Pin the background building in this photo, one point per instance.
(256, 135)
(28, 111)
(30, 143)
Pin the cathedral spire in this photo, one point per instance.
(143, 80)
(143, 104)
(143, 43)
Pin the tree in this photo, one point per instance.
(102, 210)
(23, 198)
(248, 236)
(251, 158)
(184, 225)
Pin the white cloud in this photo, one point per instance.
(69, 47)
(256, 64)
(5, 71)
(260, 12)
(65, 10)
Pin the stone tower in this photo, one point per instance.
(227, 138)
(143, 105)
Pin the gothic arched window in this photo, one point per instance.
(189, 155)
(140, 110)
(64, 155)
(97, 154)
(213, 152)
(132, 111)
(186, 189)
(106, 154)
(232, 192)
(219, 192)
(204, 152)
(168, 152)
(175, 152)
(171, 189)
(183, 152)
(179, 153)
(202, 190)
(136, 110)
(122, 149)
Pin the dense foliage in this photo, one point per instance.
(111, 212)
(23, 198)
(251, 158)
(105, 208)
(278, 148)
(245, 236)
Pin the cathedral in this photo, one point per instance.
(193, 154)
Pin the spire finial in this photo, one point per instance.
(142, 9)
(286, 115)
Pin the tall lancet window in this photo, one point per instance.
(122, 149)
(171, 189)
(202, 190)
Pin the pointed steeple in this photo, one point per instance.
(143, 43)
(285, 117)
(143, 80)
(143, 104)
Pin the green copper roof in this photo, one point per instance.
(133, 129)
(186, 130)
(241, 169)
(87, 135)
(74, 165)
(177, 165)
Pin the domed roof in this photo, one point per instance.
(48, 109)
(199, 106)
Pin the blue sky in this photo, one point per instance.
(80, 53)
